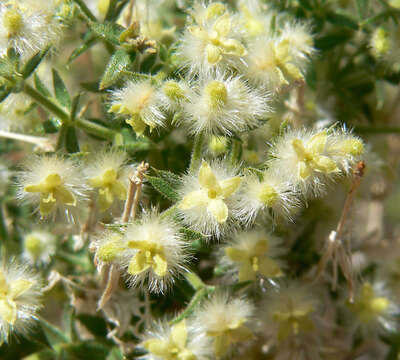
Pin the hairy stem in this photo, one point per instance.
(85, 9)
(196, 154)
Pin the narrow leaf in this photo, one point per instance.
(40, 86)
(75, 106)
(89, 40)
(60, 90)
(118, 62)
(107, 31)
(165, 188)
(71, 140)
(33, 63)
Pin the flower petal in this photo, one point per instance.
(242, 333)
(269, 267)
(18, 287)
(324, 164)
(193, 199)
(218, 209)
(234, 254)
(157, 347)
(246, 272)
(207, 178)
(160, 265)
(230, 186)
(138, 264)
(317, 143)
(8, 311)
(179, 334)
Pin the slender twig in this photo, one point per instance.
(138, 179)
(85, 10)
(129, 199)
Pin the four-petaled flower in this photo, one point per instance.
(173, 348)
(9, 293)
(213, 193)
(231, 334)
(254, 261)
(293, 320)
(369, 305)
(52, 191)
(218, 42)
(310, 156)
(109, 187)
(150, 255)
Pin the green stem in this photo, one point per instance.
(46, 103)
(85, 10)
(169, 212)
(95, 129)
(3, 226)
(235, 152)
(197, 297)
(61, 136)
(196, 155)
(376, 130)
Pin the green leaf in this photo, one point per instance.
(89, 40)
(115, 354)
(71, 140)
(164, 187)
(362, 8)
(54, 335)
(148, 63)
(60, 90)
(87, 350)
(114, 9)
(172, 178)
(75, 106)
(119, 61)
(380, 94)
(330, 41)
(40, 86)
(91, 86)
(94, 324)
(107, 31)
(343, 20)
(4, 93)
(191, 235)
(33, 63)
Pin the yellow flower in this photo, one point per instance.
(293, 320)
(109, 187)
(253, 261)
(52, 190)
(310, 156)
(280, 61)
(173, 348)
(218, 41)
(213, 193)
(9, 293)
(368, 305)
(150, 255)
(233, 333)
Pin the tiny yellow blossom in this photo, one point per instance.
(9, 293)
(150, 255)
(218, 43)
(212, 193)
(253, 260)
(111, 248)
(109, 187)
(173, 348)
(368, 305)
(293, 320)
(310, 156)
(231, 334)
(52, 191)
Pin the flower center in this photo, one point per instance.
(12, 21)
